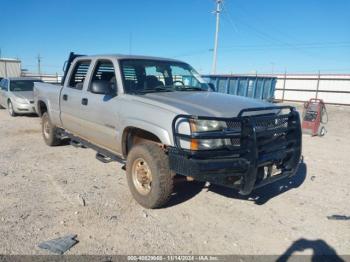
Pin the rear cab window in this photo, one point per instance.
(78, 75)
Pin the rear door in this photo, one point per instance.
(100, 112)
(71, 96)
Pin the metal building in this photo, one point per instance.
(48, 78)
(10, 67)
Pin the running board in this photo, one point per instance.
(76, 144)
(103, 158)
(103, 155)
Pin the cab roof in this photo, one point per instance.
(23, 78)
(122, 57)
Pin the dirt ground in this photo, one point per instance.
(42, 191)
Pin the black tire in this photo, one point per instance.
(161, 186)
(10, 109)
(49, 131)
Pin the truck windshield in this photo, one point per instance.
(22, 85)
(149, 76)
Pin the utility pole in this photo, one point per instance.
(39, 64)
(217, 13)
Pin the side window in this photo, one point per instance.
(79, 74)
(104, 72)
(4, 85)
(131, 82)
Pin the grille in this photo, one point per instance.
(32, 102)
(236, 142)
(278, 124)
(233, 124)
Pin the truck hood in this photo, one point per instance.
(201, 103)
(27, 95)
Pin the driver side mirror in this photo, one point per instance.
(102, 87)
(212, 87)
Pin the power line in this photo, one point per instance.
(264, 47)
(282, 47)
(198, 52)
(265, 36)
(312, 44)
(229, 18)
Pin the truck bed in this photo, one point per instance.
(50, 95)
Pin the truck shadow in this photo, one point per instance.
(184, 190)
(262, 195)
(321, 251)
(33, 115)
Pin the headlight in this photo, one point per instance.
(207, 125)
(201, 126)
(21, 100)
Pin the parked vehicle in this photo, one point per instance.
(16, 94)
(160, 118)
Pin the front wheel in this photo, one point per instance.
(10, 109)
(149, 177)
(49, 131)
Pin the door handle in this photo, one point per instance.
(84, 101)
(65, 97)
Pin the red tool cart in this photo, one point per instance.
(315, 117)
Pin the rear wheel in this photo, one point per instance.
(149, 177)
(10, 109)
(49, 131)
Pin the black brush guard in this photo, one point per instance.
(259, 143)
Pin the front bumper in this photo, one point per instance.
(261, 144)
(23, 108)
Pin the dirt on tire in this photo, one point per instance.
(162, 176)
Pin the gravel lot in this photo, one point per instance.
(42, 191)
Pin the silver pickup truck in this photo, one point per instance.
(159, 118)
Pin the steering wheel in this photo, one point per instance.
(178, 81)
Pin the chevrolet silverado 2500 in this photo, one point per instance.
(159, 118)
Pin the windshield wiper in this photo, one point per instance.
(169, 88)
(189, 88)
(155, 90)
